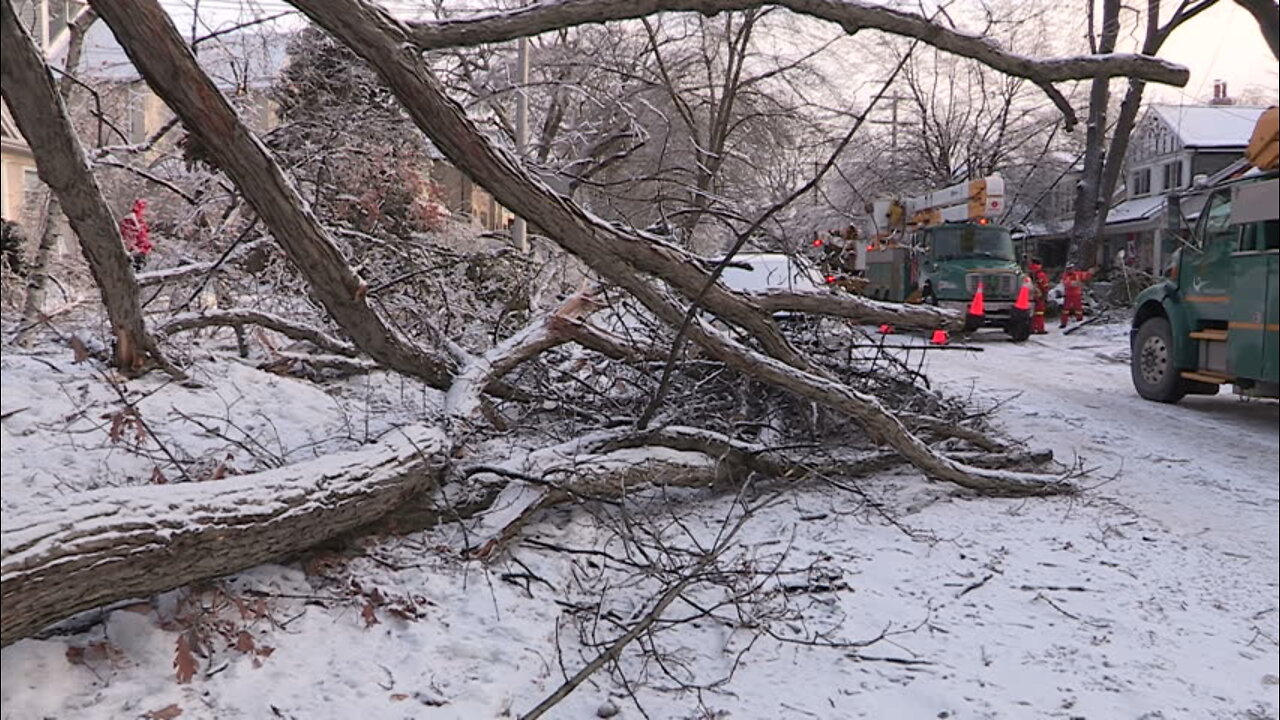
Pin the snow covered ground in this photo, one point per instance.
(1154, 595)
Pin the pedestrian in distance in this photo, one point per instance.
(1040, 281)
(1073, 282)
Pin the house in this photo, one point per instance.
(463, 197)
(1171, 146)
(48, 22)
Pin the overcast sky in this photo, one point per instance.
(1222, 43)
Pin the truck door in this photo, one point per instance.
(1252, 327)
(1207, 285)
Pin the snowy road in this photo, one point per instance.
(1206, 468)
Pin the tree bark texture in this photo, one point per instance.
(109, 545)
(157, 50)
(61, 162)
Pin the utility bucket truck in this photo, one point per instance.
(1215, 318)
(943, 248)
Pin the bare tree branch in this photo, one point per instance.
(852, 15)
(239, 317)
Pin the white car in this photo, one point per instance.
(757, 272)
(1054, 299)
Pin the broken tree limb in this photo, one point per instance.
(182, 272)
(41, 116)
(864, 409)
(739, 456)
(239, 317)
(108, 545)
(610, 344)
(946, 428)
(861, 310)
(157, 50)
(613, 252)
(544, 332)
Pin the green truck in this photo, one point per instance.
(941, 247)
(1214, 319)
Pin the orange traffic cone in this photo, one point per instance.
(1023, 302)
(976, 307)
(940, 337)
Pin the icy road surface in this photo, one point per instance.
(1206, 468)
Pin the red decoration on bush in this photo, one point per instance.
(134, 230)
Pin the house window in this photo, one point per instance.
(1142, 182)
(1173, 175)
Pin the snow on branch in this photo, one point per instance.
(182, 272)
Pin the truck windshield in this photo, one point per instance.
(970, 241)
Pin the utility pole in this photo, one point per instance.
(519, 230)
(893, 101)
(892, 122)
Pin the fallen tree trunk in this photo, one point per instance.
(108, 545)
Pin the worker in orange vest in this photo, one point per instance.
(1073, 281)
(1040, 279)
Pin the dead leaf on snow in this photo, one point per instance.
(168, 712)
(80, 350)
(184, 661)
(369, 615)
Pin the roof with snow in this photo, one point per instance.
(1135, 209)
(1210, 126)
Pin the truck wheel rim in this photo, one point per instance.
(1155, 360)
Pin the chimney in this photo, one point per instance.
(1220, 96)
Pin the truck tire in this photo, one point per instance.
(1151, 363)
(1019, 329)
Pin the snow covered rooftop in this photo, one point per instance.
(1135, 209)
(1210, 126)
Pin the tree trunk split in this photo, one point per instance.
(112, 544)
